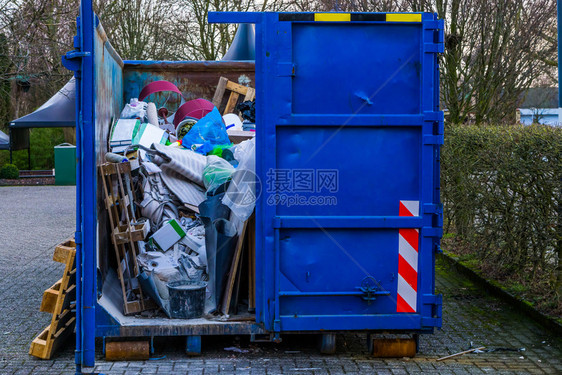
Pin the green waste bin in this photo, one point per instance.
(65, 164)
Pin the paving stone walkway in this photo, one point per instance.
(34, 219)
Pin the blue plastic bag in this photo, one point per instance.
(207, 133)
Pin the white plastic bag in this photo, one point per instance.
(134, 109)
(241, 195)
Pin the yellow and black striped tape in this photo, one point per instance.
(350, 17)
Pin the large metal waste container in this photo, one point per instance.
(348, 138)
(65, 164)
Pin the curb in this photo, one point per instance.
(521, 305)
(29, 181)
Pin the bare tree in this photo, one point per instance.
(38, 32)
(5, 90)
(495, 50)
(138, 29)
(199, 40)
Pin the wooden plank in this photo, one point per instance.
(109, 169)
(219, 92)
(232, 100)
(57, 301)
(130, 216)
(237, 281)
(237, 136)
(237, 88)
(50, 297)
(60, 337)
(69, 297)
(39, 344)
(56, 297)
(61, 320)
(250, 95)
(227, 296)
(252, 263)
(123, 167)
(241, 318)
(131, 307)
(63, 253)
(67, 280)
(139, 233)
(113, 221)
(47, 343)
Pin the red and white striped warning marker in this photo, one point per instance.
(408, 241)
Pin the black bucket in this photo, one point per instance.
(187, 299)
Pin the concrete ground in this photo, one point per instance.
(34, 219)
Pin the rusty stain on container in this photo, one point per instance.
(195, 79)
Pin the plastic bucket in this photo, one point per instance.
(187, 299)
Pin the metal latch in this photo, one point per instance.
(73, 59)
(371, 288)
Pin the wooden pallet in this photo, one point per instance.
(119, 202)
(236, 90)
(58, 301)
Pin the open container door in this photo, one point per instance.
(348, 155)
(99, 96)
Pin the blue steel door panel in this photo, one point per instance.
(358, 98)
(319, 261)
(376, 167)
(325, 57)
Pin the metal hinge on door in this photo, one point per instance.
(437, 45)
(437, 211)
(437, 118)
(72, 60)
(432, 232)
(435, 302)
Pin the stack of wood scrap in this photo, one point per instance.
(58, 300)
(126, 232)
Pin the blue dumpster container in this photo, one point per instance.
(348, 137)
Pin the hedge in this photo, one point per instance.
(501, 190)
(9, 171)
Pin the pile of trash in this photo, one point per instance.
(183, 188)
